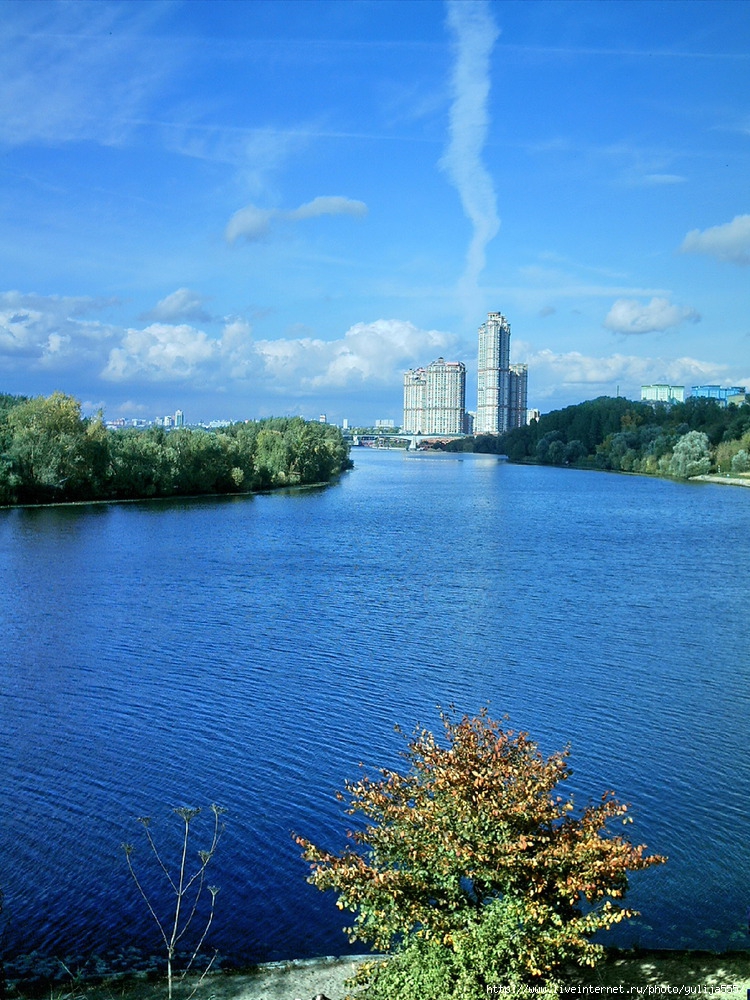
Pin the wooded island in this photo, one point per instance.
(49, 453)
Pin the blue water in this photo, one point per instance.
(252, 651)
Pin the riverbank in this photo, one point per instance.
(292, 488)
(714, 477)
(642, 973)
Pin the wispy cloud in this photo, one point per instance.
(630, 316)
(729, 242)
(649, 53)
(252, 223)
(475, 33)
(182, 304)
(657, 180)
(78, 72)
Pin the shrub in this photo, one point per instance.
(471, 867)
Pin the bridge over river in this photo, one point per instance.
(411, 442)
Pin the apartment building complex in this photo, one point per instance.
(435, 398)
(662, 393)
(502, 388)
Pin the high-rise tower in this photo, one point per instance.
(435, 398)
(518, 401)
(493, 376)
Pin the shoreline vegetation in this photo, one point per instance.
(697, 439)
(636, 973)
(50, 454)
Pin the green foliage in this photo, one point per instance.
(731, 454)
(472, 867)
(49, 453)
(691, 455)
(621, 435)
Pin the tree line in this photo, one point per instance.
(49, 453)
(680, 440)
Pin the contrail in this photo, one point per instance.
(475, 34)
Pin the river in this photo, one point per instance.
(253, 651)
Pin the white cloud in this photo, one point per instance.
(475, 34)
(729, 242)
(49, 332)
(555, 371)
(182, 304)
(252, 223)
(39, 333)
(328, 205)
(631, 316)
(369, 353)
(160, 352)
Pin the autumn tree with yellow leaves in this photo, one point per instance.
(472, 870)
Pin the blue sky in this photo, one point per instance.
(246, 209)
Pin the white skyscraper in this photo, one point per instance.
(493, 376)
(435, 398)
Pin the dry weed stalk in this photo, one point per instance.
(187, 890)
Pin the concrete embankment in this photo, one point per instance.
(725, 480)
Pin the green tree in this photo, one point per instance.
(141, 465)
(691, 455)
(51, 449)
(545, 452)
(472, 867)
(574, 452)
(272, 457)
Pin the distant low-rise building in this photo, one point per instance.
(660, 392)
(721, 394)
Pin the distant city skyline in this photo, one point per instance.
(253, 208)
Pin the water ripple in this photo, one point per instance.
(256, 652)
